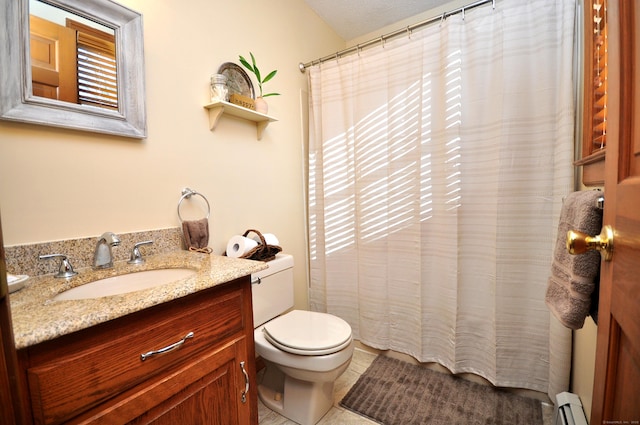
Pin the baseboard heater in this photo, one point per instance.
(569, 410)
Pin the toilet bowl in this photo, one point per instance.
(304, 352)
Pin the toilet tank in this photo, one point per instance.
(272, 289)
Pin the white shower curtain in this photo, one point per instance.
(437, 166)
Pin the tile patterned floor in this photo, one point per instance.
(338, 415)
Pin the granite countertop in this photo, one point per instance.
(37, 317)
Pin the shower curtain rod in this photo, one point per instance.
(303, 66)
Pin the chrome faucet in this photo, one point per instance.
(102, 257)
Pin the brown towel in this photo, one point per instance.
(196, 233)
(573, 277)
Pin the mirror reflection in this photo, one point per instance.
(73, 59)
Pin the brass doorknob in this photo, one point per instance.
(579, 243)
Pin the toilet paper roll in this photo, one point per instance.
(239, 246)
(269, 238)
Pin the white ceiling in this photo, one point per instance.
(355, 18)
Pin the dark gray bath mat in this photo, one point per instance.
(394, 392)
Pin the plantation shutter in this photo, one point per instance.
(599, 75)
(594, 125)
(96, 54)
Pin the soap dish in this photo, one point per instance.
(16, 282)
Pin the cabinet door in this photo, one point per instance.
(207, 394)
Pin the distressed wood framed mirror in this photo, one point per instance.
(39, 86)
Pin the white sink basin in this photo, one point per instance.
(125, 283)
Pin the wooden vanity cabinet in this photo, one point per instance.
(97, 376)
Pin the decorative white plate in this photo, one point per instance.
(16, 282)
(238, 80)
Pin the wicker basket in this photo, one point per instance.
(262, 252)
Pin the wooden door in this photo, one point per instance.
(53, 60)
(11, 411)
(617, 376)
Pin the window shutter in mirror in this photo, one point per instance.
(97, 83)
(96, 55)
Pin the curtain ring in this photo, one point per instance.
(442, 19)
(463, 13)
(358, 49)
(382, 41)
(409, 32)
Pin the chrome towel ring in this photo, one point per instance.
(188, 193)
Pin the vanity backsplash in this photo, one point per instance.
(23, 259)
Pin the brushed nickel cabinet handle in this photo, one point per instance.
(246, 383)
(166, 349)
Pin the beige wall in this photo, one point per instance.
(583, 363)
(59, 184)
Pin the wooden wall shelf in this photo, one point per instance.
(217, 109)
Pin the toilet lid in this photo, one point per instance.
(308, 333)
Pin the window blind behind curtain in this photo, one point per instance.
(96, 56)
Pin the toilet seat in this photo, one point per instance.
(308, 333)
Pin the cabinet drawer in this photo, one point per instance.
(76, 372)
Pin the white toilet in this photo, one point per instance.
(304, 351)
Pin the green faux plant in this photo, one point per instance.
(254, 68)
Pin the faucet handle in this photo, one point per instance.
(65, 269)
(136, 255)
